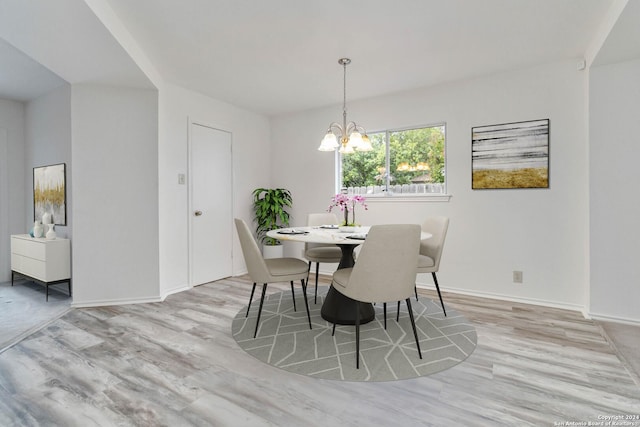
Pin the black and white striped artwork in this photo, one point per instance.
(511, 155)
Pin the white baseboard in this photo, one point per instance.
(125, 301)
(511, 298)
(615, 319)
(240, 273)
(164, 295)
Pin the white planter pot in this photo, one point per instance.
(272, 251)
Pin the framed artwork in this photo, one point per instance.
(49, 193)
(510, 155)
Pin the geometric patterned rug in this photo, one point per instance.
(23, 309)
(285, 341)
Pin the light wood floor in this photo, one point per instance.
(176, 364)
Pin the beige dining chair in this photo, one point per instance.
(271, 270)
(320, 252)
(429, 256)
(385, 271)
(431, 250)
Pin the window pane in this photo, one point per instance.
(416, 163)
(417, 160)
(364, 170)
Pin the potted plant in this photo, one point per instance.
(269, 206)
(348, 204)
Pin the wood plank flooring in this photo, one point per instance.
(176, 364)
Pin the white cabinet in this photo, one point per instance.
(46, 261)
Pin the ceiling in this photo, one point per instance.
(22, 78)
(280, 56)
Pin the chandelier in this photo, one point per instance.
(352, 136)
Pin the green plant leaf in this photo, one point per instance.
(269, 211)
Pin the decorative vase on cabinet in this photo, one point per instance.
(46, 218)
(38, 231)
(51, 233)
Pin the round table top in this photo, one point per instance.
(321, 234)
(326, 234)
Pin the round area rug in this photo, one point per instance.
(285, 341)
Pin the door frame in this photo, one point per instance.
(190, 122)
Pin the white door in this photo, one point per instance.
(211, 225)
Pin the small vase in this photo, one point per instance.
(51, 233)
(37, 229)
(46, 218)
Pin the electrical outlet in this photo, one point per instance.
(517, 276)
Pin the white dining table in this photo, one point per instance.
(336, 307)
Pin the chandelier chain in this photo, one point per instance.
(344, 87)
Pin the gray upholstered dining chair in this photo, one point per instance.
(431, 249)
(271, 270)
(385, 271)
(319, 252)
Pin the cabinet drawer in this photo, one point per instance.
(29, 266)
(29, 248)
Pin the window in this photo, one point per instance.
(403, 162)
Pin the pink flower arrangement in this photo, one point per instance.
(347, 204)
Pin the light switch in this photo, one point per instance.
(181, 179)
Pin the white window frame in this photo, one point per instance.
(387, 196)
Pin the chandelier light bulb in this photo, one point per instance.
(365, 145)
(355, 139)
(329, 142)
(346, 149)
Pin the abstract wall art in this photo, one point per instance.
(510, 155)
(49, 193)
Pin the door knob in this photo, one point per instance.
(198, 213)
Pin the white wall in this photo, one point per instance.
(542, 232)
(12, 184)
(614, 173)
(251, 168)
(115, 195)
(47, 142)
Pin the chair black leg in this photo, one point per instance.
(264, 290)
(306, 303)
(357, 335)
(384, 309)
(398, 313)
(315, 298)
(333, 332)
(250, 299)
(415, 289)
(293, 295)
(435, 280)
(413, 324)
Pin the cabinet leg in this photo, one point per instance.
(12, 273)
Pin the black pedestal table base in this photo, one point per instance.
(340, 309)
